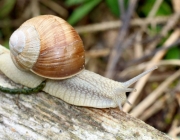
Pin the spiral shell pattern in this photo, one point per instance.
(48, 46)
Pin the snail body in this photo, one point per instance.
(81, 87)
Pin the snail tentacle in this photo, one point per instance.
(135, 79)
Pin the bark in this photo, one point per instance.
(42, 116)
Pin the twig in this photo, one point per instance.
(121, 8)
(105, 52)
(177, 90)
(171, 23)
(153, 11)
(169, 26)
(142, 66)
(35, 8)
(158, 105)
(115, 53)
(140, 84)
(152, 53)
(138, 48)
(176, 5)
(97, 53)
(141, 107)
(116, 24)
(98, 26)
(175, 129)
(55, 7)
(155, 8)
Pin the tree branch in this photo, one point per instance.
(42, 116)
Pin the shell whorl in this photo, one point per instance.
(50, 48)
(17, 42)
(25, 47)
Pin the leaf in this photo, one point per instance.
(173, 53)
(74, 2)
(7, 7)
(114, 7)
(83, 10)
(164, 9)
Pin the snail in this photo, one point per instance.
(47, 47)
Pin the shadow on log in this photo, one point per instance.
(42, 116)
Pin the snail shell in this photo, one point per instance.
(48, 46)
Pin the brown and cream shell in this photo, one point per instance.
(49, 47)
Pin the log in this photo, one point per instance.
(42, 116)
